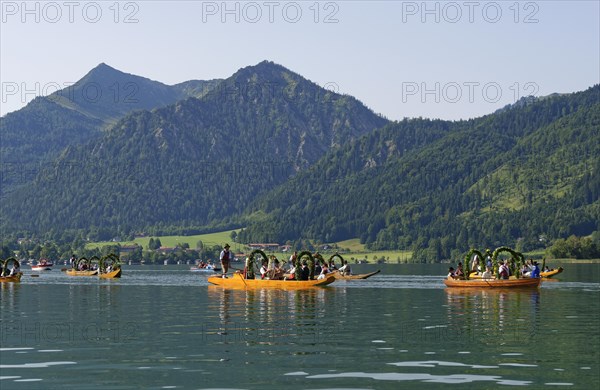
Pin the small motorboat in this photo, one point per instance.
(42, 265)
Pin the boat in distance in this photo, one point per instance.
(237, 281)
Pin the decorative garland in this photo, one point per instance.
(516, 258)
(330, 262)
(249, 269)
(4, 265)
(467, 261)
(112, 260)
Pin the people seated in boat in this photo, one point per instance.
(108, 269)
(487, 274)
(264, 271)
(345, 269)
(15, 269)
(525, 270)
(450, 273)
(304, 271)
(459, 273)
(546, 269)
(277, 272)
(291, 274)
(475, 267)
(536, 270)
(504, 270)
(324, 271)
(82, 266)
(318, 267)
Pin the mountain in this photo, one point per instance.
(196, 162)
(36, 134)
(515, 177)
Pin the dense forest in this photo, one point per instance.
(520, 177)
(287, 160)
(198, 162)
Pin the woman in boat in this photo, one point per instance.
(345, 269)
(15, 269)
(459, 274)
(536, 270)
(324, 271)
(487, 274)
(264, 272)
(450, 273)
(277, 272)
(504, 270)
(475, 265)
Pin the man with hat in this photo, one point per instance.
(225, 257)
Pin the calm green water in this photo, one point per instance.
(166, 328)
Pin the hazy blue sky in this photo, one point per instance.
(443, 59)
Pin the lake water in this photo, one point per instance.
(166, 328)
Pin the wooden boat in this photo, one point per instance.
(339, 276)
(74, 272)
(110, 267)
(7, 271)
(209, 269)
(493, 283)
(551, 273)
(42, 265)
(14, 278)
(111, 275)
(237, 281)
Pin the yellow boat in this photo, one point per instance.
(551, 273)
(4, 270)
(73, 272)
(83, 267)
(13, 278)
(237, 281)
(110, 267)
(493, 283)
(339, 276)
(111, 275)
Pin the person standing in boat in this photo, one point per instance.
(225, 258)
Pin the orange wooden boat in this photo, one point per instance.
(493, 283)
(551, 273)
(237, 281)
(14, 278)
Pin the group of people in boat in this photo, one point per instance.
(277, 271)
(13, 271)
(529, 269)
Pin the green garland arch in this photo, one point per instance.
(467, 261)
(250, 263)
(517, 259)
(110, 259)
(4, 265)
(342, 261)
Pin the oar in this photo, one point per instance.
(34, 275)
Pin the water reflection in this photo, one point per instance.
(493, 316)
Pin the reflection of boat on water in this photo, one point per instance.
(339, 276)
(42, 265)
(493, 283)
(237, 281)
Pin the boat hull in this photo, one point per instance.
(11, 279)
(72, 272)
(41, 268)
(493, 283)
(111, 275)
(549, 274)
(339, 276)
(237, 281)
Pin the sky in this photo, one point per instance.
(436, 59)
